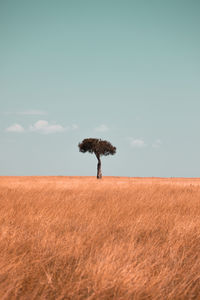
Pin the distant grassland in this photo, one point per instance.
(115, 238)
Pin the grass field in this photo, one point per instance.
(115, 238)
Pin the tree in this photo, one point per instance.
(99, 148)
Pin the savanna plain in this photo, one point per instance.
(115, 238)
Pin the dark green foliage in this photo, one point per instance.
(97, 146)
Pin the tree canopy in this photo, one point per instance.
(97, 146)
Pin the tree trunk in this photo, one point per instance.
(99, 174)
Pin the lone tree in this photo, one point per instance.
(99, 148)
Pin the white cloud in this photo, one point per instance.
(157, 143)
(102, 128)
(43, 126)
(15, 128)
(74, 127)
(137, 143)
(28, 113)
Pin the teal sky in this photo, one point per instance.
(124, 71)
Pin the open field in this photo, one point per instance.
(115, 238)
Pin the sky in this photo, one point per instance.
(123, 71)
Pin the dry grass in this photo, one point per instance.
(116, 238)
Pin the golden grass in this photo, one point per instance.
(115, 238)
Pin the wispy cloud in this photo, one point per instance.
(33, 113)
(137, 143)
(157, 143)
(74, 127)
(45, 127)
(15, 128)
(27, 113)
(102, 128)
